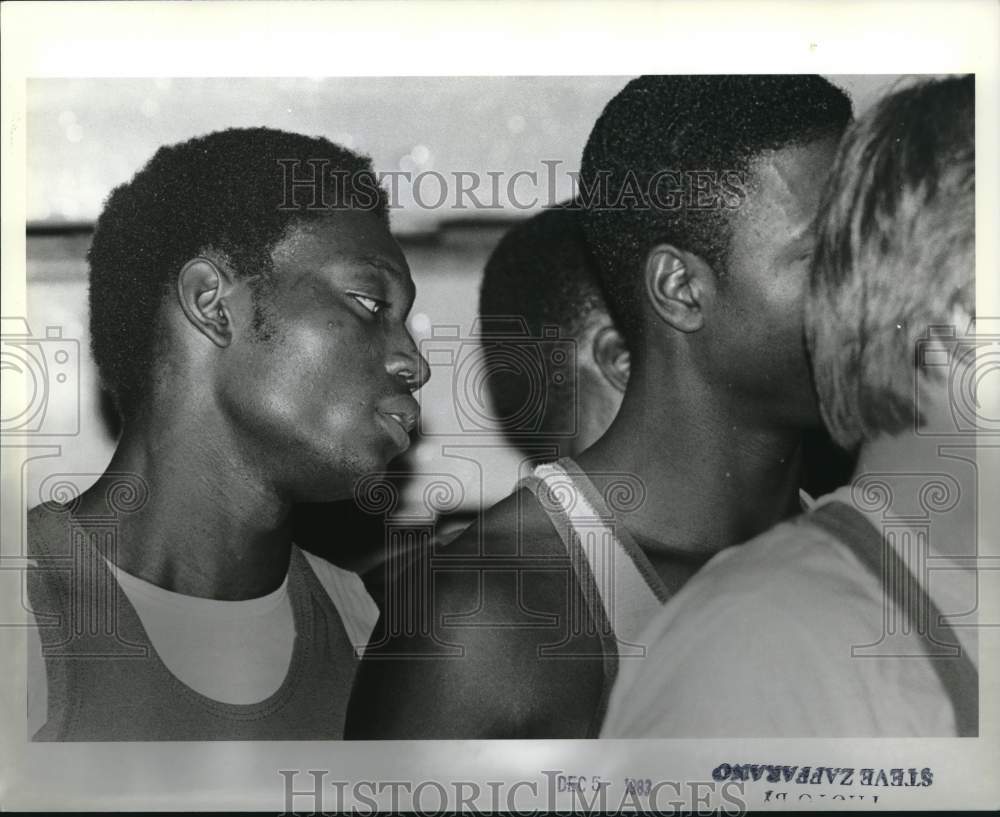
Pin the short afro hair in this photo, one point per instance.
(230, 192)
(541, 275)
(895, 254)
(664, 128)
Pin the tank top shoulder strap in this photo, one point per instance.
(957, 673)
(629, 590)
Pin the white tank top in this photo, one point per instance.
(630, 591)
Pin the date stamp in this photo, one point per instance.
(568, 783)
(621, 794)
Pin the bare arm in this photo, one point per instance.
(479, 657)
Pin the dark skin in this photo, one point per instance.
(711, 423)
(240, 425)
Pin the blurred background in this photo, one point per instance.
(87, 136)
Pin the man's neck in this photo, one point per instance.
(712, 477)
(210, 527)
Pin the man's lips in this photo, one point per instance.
(399, 416)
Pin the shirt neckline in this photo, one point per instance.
(196, 606)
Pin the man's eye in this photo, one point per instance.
(373, 305)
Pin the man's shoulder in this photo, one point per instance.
(781, 615)
(516, 526)
(796, 573)
(514, 538)
(497, 600)
(795, 557)
(512, 558)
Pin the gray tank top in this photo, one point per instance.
(107, 683)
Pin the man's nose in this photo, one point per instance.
(409, 365)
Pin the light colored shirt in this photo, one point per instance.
(761, 643)
(235, 652)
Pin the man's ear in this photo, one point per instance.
(611, 356)
(675, 286)
(202, 289)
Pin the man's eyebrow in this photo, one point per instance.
(378, 262)
(394, 271)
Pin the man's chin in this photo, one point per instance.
(332, 475)
(370, 466)
(332, 481)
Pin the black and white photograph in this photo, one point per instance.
(426, 440)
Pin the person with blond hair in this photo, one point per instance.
(853, 620)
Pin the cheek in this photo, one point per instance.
(787, 296)
(766, 315)
(309, 375)
(780, 287)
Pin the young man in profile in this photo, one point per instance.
(839, 623)
(250, 326)
(541, 277)
(534, 606)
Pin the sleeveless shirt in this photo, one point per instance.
(107, 683)
(621, 588)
